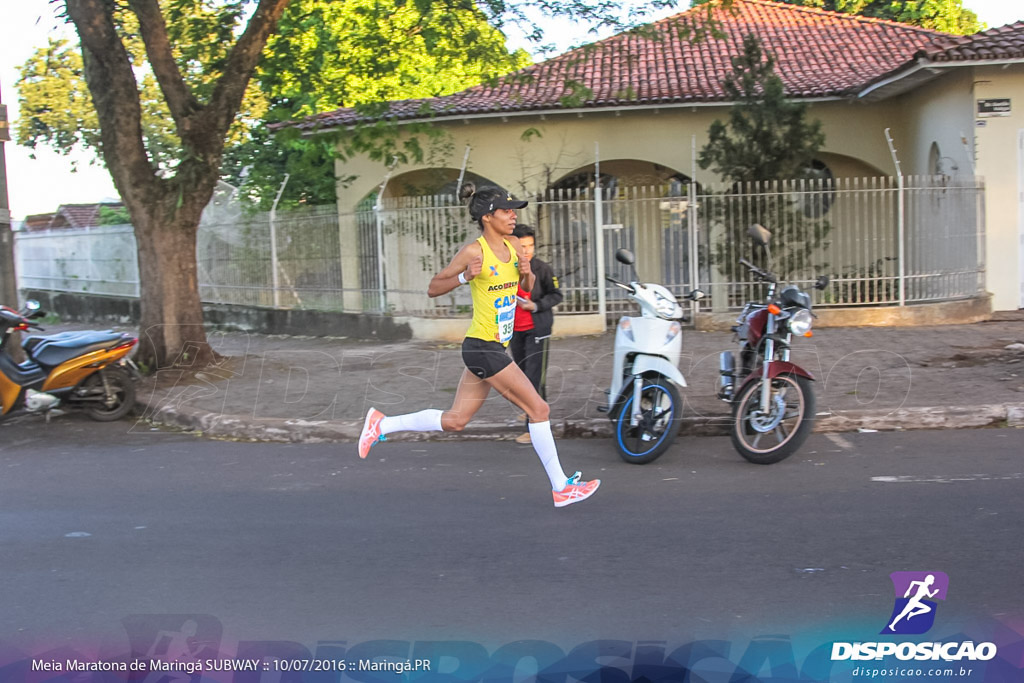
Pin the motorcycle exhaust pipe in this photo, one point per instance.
(726, 375)
(37, 401)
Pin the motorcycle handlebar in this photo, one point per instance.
(612, 280)
(763, 274)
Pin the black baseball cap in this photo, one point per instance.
(487, 199)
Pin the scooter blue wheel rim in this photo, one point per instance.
(624, 420)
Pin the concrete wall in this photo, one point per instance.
(945, 313)
(943, 112)
(1001, 162)
(939, 113)
(90, 308)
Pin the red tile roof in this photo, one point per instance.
(1004, 42)
(818, 54)
(76, 216)
(39, 221)
(69, 216)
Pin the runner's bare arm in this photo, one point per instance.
(469, 260)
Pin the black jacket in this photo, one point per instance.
(545, 294)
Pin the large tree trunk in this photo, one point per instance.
(165, 211)
(171, 328)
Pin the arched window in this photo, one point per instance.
(674, 185)
(820, 194)
(935, 159)
(452, 186)
(578, 183)
(940, 165)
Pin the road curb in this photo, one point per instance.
(165, 410)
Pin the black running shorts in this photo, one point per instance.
(484, 358)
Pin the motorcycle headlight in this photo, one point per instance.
(665, 307)
(800, 322)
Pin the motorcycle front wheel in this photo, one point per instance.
(660, 408)
(106, 404)
(766, 438)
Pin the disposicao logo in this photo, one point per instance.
(913, 613)
(916, 592)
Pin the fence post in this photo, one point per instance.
(900, 220)
(377, 206)
(602, 303)
(273, 243)
(693, 223)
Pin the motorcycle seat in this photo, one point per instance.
(29, 343)
(59, 348)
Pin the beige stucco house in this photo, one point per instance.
(951, 105)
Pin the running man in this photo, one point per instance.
(493, 266)
(915, 607)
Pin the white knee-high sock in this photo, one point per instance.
(544, 444)
(423, 421)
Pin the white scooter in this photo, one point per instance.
(644, 401)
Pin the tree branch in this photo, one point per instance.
(158, 50)
(111, 81)
(230, 88)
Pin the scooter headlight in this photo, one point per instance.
(673, 331)
(626, 327)
(665, 307)
(800, 322)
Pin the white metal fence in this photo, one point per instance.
(100, 260)
(851, 229)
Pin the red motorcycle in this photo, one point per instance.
(772, 398)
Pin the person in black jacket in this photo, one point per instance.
(532, 333)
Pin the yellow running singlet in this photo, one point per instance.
(494, 296)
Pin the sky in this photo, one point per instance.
(40, 185)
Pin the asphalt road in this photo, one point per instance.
(114, 528)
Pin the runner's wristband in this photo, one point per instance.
(462, 278)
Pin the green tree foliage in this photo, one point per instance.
(342, 54)
(57, 109)
(358, 53)
(114, 215)
(767, 138)
(165, 80)
(948, 16)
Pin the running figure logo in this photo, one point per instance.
(914, 610)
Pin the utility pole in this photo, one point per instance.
(8, 283)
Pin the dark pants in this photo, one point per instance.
(531, 355)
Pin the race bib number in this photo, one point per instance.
(506, 323)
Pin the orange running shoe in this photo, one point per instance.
(575, 491)
(371, 432)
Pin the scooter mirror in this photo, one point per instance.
(760, 234)
(821, 282)
(696, 295)
(31, 305)
(625, 256)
